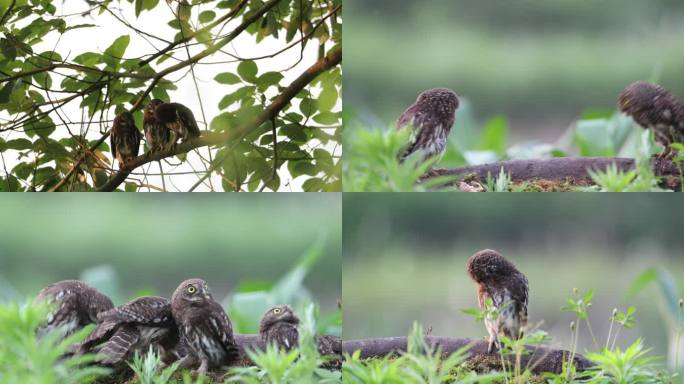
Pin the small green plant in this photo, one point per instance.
(631, 366)
(502, 183)
(26, 358)
(149, 369)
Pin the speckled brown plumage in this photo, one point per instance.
(134, 327)
(653, 107)
(124, 138)
(74, 304)
(431, 116)
(179, 119)
(279, 325)
(499, 280)
(204, 327)
(156, 133)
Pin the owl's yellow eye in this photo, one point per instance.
(277, 311)
(192, 290)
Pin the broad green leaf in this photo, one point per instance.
(207, 16)
(227, 78)
(495, 135)
(327, 99)
(248, 70)
(112, 55)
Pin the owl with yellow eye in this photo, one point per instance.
(279, 326)
(204, 327)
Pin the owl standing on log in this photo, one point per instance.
(204, 326)
(430, 118)
(499, 281)
(653, 107)
(134, 327)
(124, 138)
(279, 325)
(74, 305)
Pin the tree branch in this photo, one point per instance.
(215, 138)
(574, 169)
(539, 359)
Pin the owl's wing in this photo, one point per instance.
(112, 142)
(187, 118)
(149, 310)
(286, 336)
(220, 327)
(116, 348)
(519, 294)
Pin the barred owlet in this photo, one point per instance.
(177, 118)
(124, 138)
(134, 326)
(156, 133)
(498, 279)
(279, 326)
(74, 305)
(204, 327)
(431, 118)
(654, 107)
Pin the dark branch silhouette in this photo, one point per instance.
(539, 359)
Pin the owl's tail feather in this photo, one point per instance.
(118, 346)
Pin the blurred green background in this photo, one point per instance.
(252, 250)
(404, 259)
(541, 64)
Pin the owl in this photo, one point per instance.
(279, 326)
(124, 138)
(156, 134)
(178, 119)
(498, 280)
(134, 326)
(204, 327)
(653, 107)
(431, 118)
(73, 305)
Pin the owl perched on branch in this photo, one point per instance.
(134, 327)
(156, 133)
(124, 138)
(204, 327)
(653, 107)
(279, 325)
(499, 281)
(431, 118)
(177, 118)
(74, 304)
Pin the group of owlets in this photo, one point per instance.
(192, 328)
(163, 123)
(650, 105)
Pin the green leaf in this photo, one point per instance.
(248, 70)
(222, 122)
(112, 55)
(269, 79)
(313, 185)
(227, 78)
(19, 144)
(495, 135)
(131, 187)
(327, 99)
(88, 59)
(206, 16)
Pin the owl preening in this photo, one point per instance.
(655, 108)
(430, 118)
(134, 327)
(73, 305)
(204, 326)
(500, 281)
(279, 326)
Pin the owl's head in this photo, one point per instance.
(124, 120)
(444, 98)
(488, 266)
(193, 292)
(639, 96)
(151, 107)
(278, 314)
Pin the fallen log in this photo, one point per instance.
(573, 169)
(539, 359)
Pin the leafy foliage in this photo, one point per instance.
(44, 147)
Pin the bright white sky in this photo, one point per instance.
(154, 22)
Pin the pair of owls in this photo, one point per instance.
(192, 326)
(159, 122)
(432, 116)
